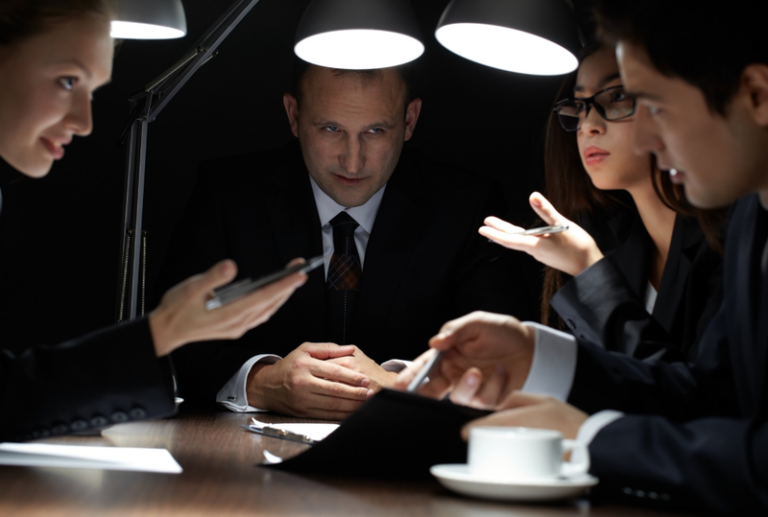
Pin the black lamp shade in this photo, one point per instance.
(358, 34)
(526, 36)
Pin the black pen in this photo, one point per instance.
(424, 373)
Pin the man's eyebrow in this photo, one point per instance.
(607, 79)
(385, 125)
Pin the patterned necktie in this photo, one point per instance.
(343, 281)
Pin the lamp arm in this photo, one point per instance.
(147, 105)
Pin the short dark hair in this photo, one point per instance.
(300, 68)
(708, 47)
(21, 19)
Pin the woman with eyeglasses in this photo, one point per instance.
(642, 264)
(53, 55)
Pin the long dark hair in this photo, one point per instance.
(21, 19)
(571, 191)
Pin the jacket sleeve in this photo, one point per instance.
(600, 306)
(708, 464)
(106, 377)
(678, 391)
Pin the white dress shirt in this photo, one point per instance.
(233, 395)
(552, 372)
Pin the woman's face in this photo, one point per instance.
(45, 90)
(605, 147)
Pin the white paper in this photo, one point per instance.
(316, 432)
(83, 457)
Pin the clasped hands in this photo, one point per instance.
(317, 380)
(486, 362)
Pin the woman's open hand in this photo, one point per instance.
(571, 251)
(182, 318)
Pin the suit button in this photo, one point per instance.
(627, 490)
(570, 324)
(119, 417)
(138, 413)
(79, 425)
(99, 421)
(639, 493)
(60, 429)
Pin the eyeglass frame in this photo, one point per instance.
(589, 102)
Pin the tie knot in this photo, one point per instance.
(345, 224)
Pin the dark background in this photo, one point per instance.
(60, 236)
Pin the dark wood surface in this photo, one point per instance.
(222, 477)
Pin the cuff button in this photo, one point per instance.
(119, 417)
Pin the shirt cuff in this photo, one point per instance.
(396, 365)
(595, 424)
(554, 362)
(233, 395)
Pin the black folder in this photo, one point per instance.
(394, 435)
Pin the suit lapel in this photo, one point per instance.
(742, 316)
(686, 234)
(632, 254)
(761, 328)
(399, 224)
(296, 231)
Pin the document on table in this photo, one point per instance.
(305, 433)
(83, 457)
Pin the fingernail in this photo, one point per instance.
(536, 202)
(445, 334)
(365, 382)
(471, 381)
(370, 394)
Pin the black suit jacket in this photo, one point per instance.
(606, 303)
(425, 263)
(697, 434)
(110, 376)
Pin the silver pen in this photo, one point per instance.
(425, 371)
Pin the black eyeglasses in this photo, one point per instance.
(611, 103)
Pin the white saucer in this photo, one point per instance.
(456, 477)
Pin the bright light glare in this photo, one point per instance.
(359, 49)
(507, 49)
(133, 30)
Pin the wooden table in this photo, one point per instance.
(221, 477)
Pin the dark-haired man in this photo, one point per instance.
(681, 435)
(399, 237)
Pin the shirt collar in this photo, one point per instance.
(327, 208)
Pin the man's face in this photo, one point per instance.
(351, 129)
(717, 157)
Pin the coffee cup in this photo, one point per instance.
(515, 453)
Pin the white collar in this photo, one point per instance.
(327, 208)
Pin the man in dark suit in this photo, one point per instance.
(681, 435)
(399, 237)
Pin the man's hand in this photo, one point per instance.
(486, 357)
(528, 410)
(182, 317)
(307, 384)
(359, 362)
